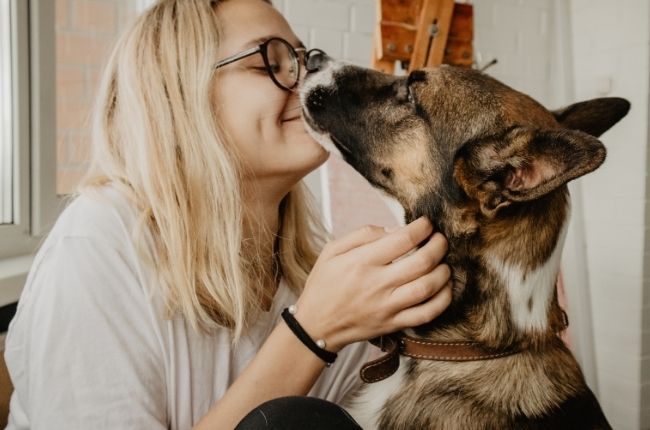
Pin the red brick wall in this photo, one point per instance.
(354, 203)
(85, 32)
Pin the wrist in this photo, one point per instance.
(319, 329)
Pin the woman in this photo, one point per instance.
(155, 300)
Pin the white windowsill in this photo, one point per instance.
(13, 273)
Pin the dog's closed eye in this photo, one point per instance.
(410, 97)
(403, 93)
(387, 173)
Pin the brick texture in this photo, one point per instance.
(85, 32)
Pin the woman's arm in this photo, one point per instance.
(81, 349)
(356, 291)
(282, 367)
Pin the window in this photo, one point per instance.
(14, 130)
(51, 55)
(15, 218)
(6, 147)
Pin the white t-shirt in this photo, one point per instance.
(89, 347)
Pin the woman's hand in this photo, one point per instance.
(360, 288)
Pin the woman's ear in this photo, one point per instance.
(524, 164)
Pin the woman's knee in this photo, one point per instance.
(289, 413)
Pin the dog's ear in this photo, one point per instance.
(524, 164)
(593, 116)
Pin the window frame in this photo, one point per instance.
(13, 235)
(36, 204)
(6, 154)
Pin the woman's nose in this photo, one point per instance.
(316, 60)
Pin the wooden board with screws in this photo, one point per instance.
(423, 33)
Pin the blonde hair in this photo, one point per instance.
(157, 138)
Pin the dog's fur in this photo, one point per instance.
(489, 166)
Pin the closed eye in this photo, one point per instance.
(263, 69)
(410, 97)
(404, 93)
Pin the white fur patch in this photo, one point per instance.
(367, 407)
(530, 292)
(322, 78)
(324, 140)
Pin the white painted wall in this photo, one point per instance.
(602, 46)
(611, 42)
(608, 43)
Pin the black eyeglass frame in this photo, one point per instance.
(263, 49)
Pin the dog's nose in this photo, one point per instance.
(317, 98)
(316, 60)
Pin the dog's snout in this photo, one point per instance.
(317, 98)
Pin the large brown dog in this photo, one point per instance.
(489, 166)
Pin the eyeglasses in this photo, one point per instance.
(281, 61)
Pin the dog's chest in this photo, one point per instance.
(505, 393)
(368, 406)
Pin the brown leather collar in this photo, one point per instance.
(397, 344)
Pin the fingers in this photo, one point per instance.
(419, 262)
(425, 312)
(394, 245)
(422, 288)
(362, 236)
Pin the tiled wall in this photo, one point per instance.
(609, 47)
(611, 57)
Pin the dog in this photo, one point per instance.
(488, 166)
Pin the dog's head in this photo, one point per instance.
(454, 140)
(487, 164)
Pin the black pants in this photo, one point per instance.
(293, 413)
